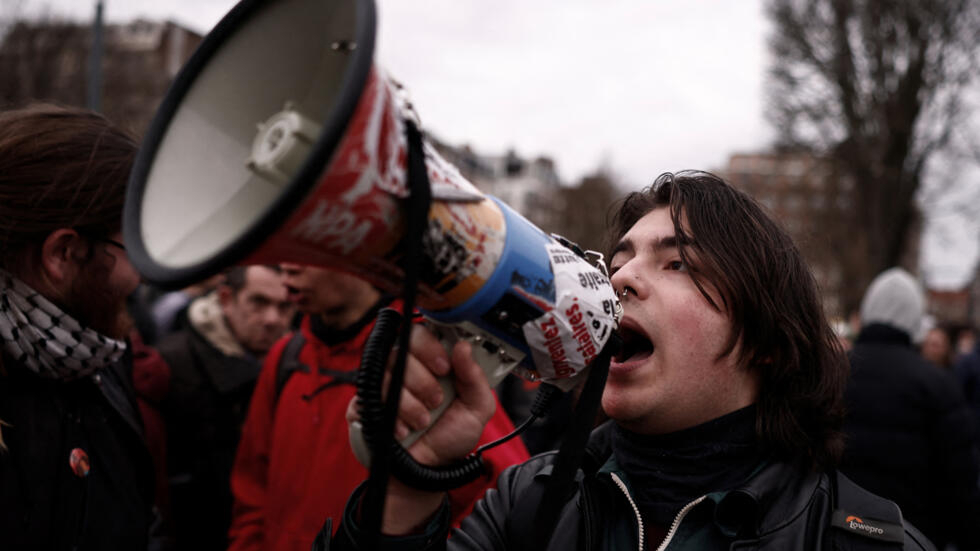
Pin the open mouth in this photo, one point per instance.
(636, 345)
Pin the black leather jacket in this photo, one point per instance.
(780, 507)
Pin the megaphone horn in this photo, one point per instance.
(308, 166)
(280, 140)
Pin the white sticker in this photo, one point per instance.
(565, 340)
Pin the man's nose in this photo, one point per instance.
(271, 316)
(626, 276)
(620, 279)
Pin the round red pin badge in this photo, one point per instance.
(78, 460)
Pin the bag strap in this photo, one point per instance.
(289, 362)
(861, 519)
(520, 520)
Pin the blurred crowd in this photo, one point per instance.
(251, 372)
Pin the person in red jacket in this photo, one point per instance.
(294, 465)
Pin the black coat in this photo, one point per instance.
(967, 370)
(779, 507)
(43, 503)
(204, 410)
(911, 437)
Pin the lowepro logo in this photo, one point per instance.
(855, 523)
(868, 527)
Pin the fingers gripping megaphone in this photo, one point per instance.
(281, 141)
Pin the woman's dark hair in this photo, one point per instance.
(60, 167)
(774, 304)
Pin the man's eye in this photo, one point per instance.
(677, 265)
(260, 302)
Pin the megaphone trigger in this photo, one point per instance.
(496, 357)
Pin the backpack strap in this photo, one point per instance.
(289, 362)
(520, 520)
(337, 378)
(863, 520)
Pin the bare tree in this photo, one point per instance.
(9, 13)
(878, 86)
(583, 219)
(43, 61)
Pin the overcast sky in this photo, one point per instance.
(641, 86)
(638, 86)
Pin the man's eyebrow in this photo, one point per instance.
(623, 245)
(663, 243)
(668, 242)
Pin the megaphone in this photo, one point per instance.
(282, 141)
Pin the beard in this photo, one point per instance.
(97, 305)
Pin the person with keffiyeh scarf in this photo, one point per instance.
(75, 472)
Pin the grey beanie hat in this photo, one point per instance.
(895, 298)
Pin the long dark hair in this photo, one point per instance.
(773, 301)
(60, 167)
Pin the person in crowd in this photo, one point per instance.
(151, 382)
(965, 338)
(967, 371)
(910, 434)
(294, 465)
(937, 347)
(725, 404)
(138, 305)
(845, 335)
(168, 311)
(75, 472)
(214, 364)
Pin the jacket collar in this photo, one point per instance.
(226, 373)
(115, 384)
(333, 337)
(882, 333)
(770, 498)
(773, 497)
(208, 320)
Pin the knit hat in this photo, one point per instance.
(896, 299)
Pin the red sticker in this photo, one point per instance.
(79, 462)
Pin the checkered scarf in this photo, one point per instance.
(39, 335)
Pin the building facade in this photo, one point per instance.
(48, 61)
(529, 186)
(805, 194)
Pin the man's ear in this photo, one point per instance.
(226, 296)
(60, 254)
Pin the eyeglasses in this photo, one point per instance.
(114, 243)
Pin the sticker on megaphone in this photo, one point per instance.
(579, 312)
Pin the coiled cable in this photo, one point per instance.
(370, 378)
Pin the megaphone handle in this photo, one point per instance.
(495, 357)
(359, 445)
